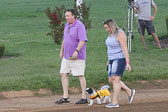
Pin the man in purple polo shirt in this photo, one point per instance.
(73, 55)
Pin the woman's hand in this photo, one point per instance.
(107, 65)
(128, 67)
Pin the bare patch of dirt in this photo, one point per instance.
(145, 100)
(146, 84)
(10, 55)
(24, 93)
(5, 57)
(142, 84)
(163, 42)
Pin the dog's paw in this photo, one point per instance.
(99, 103)
(104, 102)
(90, 104)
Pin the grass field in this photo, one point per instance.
(32, 59)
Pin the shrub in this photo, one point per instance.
(2, 48)
(167, 23)
(56, 23)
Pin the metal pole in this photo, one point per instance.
(129, 49)
(130, 26)
(132, 17)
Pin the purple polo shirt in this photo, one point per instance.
(72, 36)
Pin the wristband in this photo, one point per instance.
(77, 50)
(127, 62)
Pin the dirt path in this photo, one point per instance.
(163, 42)
(146, 100)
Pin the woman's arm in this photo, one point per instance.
(122, 39)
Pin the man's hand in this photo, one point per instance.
(152, 18)
(75, 55)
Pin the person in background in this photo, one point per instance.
(143, 8)
(118, 60)
(73, 55)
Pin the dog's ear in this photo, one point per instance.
(89, 90)
(86, 89)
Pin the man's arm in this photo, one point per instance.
(62, 50)
(75, 54)
(135, 10)
(155, 10)
(80, 45)
(154, 13)
(135, 6)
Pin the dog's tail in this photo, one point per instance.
(105, 87)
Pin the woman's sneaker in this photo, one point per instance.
(63, 100)
(110, 105)
(130, 98)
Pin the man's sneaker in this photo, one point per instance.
(63, 100)
(110, 105)
(130, 98)
(82, 101)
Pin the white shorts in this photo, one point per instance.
(76, 67)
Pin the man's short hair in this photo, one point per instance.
(72, 11)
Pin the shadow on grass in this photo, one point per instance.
(10, 55)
